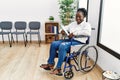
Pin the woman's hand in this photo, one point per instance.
(71, 35)
(63, 32)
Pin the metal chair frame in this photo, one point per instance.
(34, 27)
(6, 27)
(20, 27)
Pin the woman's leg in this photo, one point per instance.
(52, 54)
(63, 49)
(53, 48)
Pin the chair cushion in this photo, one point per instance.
(5, 32)
(18, 32)
(33, 33)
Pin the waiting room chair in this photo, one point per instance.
(34, 27)
(6, 27)
(20, 27)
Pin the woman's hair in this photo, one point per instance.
(83, 10)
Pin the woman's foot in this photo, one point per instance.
(57, 72)
(47, 66)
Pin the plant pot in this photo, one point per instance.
(51, 20)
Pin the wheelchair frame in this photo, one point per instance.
(77, 58)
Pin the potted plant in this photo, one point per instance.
(51, 18)
(67, 11)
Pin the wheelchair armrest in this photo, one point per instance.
(81, 36)
(78, 47)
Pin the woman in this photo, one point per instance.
(75, 29)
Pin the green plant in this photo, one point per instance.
(67, 11)
(51, 18)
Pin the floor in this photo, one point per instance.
(22, 63)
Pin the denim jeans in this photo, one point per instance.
(63, 46)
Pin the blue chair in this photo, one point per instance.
(20, 27)
(34, 27)
(6, 27)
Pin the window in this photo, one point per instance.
(109, 26)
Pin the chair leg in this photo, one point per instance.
(24, 39)
(9, 41)
(12, 39)
(39, 39)
(16, 38)
(3, 38)
(30, 38)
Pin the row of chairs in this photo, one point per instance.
(20, 29)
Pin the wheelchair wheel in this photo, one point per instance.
(88, 58)
(68, 74)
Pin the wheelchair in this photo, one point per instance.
(85, 59)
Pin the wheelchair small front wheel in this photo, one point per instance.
(88, 58)
(68, 74)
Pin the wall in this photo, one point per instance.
(29, 10)
(105, 60)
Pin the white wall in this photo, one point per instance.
(29, 10)
(105, 60)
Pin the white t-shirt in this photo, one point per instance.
(83, 29)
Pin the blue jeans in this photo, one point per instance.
(63, 46)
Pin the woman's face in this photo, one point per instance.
(79, 17)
